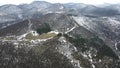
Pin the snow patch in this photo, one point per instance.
(16, 43)
(70, 29)
(116, 46)
(22, 36)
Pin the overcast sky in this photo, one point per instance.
(61, 1)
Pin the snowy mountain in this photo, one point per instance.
(54, 35)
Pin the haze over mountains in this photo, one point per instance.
(77, 34)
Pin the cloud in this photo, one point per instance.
(86, 1)
(15, 1)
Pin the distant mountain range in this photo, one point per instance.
(15, 12)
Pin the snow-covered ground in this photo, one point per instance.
(83, 21)
(67, 49)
